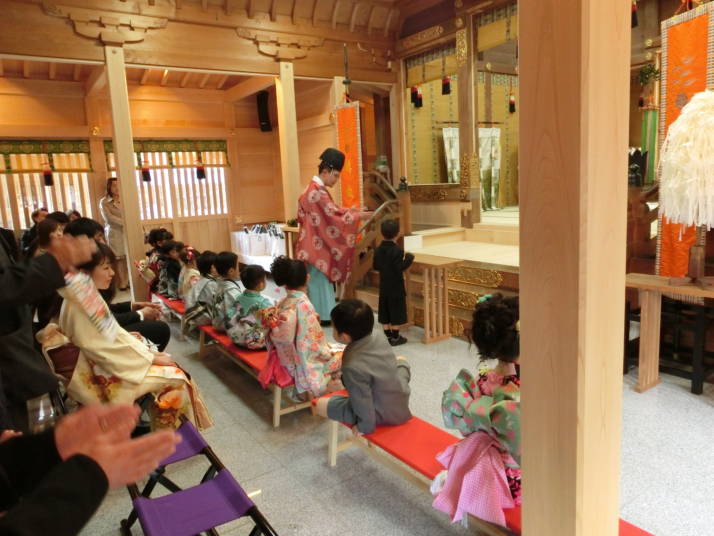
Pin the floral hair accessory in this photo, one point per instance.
(484, 298)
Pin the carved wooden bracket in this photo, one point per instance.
(281, 46)
(110, 30)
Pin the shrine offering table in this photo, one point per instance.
(436, 296)
(291, 234)
(651, 288)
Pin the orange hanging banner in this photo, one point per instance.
(349, 142)
(685, 65)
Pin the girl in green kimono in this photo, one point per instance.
(490, 401)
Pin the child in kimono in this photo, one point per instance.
(189, 275)
(229, 289)
(246, 326)
(199, 300)
(377, 382)
(486, 410)
(155, 239)
(298, 338)
(170, 263)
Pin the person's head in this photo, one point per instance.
(495, 329)
(101, 268)
(253, 277)
(60, 217)
(172, 249)
(390, 229)
(48, 229)
(206, 263)
(73, 215)
(87, 227)
(351, 320)
(39, 214)
(331, 163)
(289, 272)
(227, 264)
(188, 256)
(112, 187)
(157, 237)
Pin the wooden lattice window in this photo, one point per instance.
(22, 186)
(175, 191)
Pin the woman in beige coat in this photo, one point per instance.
(110, 208)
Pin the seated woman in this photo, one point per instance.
(297, 337)
(114, 366)
(486, 410)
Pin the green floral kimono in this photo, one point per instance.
(488, 403)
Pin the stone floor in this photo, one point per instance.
(667, 456)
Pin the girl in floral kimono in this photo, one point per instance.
(113, 365)
(486, 410)
(297, 336)
(245, 325)
(189, 274)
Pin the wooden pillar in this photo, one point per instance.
(289, 150)
(399, 120)
(235, 200)
(468, 139)
(574, 80)
(98, 177)
(126, 162)
(337, 97)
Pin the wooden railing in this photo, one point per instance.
(379, 189)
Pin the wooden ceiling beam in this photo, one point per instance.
(251, 9)
(164, 77)
(250, 87)
(370, 20)
(52, 73)
(314, 12)
(2, 68)
(335, 13)
(353, 17)
(184, 79)
(204, 5)
(96, 82)
(145, 76)
(204, 80)
(26, 71)
(294, 12)
(221, 81)
(412, 7)
(274, 10)
(388, 22)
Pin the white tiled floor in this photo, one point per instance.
(667, 456)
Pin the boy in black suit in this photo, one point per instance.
(391, 261)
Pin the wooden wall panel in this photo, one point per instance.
(44, 111)
(315, 130)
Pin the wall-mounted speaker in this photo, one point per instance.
(263, 112)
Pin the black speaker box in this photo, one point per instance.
(263, 113)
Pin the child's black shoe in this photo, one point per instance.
(396, 341)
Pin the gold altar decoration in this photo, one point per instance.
(462, 47)
(421, 37)
(469, 168)
(463, 298)
(476, 276)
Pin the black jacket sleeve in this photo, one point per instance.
(121, 307)
(29, 282)
(408, 260)
(62, 503)
(123, 313)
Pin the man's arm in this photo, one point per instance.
(29, 282)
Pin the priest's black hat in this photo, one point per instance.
(333, 158)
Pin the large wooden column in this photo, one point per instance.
(574, 82)
(287, 129)
(126, 162)
(337, 97)
(468, 108)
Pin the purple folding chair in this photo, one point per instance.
(223, 499)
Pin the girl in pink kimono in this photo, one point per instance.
(483, 475)
(297, 337)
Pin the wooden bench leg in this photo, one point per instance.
(332, 435)
(277, 403)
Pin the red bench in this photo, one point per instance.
(415, 444)
(174, 307)
(252, 361)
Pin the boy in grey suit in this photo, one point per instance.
(377, 382)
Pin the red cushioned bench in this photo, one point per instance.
(253, 362)
(174, 307)
(415, 444)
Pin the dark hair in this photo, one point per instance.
(390, 229)
(103, 253)
(169, 246)
(110, 180)
(289, 272)
(44, 229)
(59, 217)
(353, 317)
(158, 235)
(72, 212)
(188, 254)
(84, 226)
(225, 260)
(205, 262)
(251, 276)
(324, 166)
(37, 211)
(494, 328)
